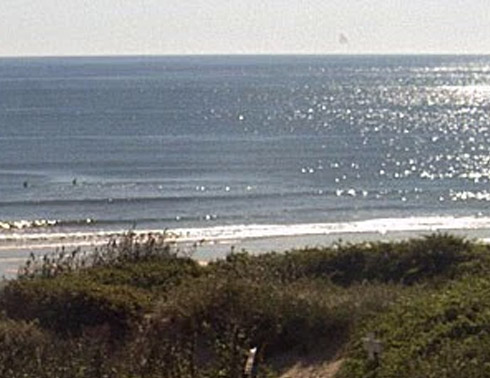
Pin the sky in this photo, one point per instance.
(160, 27)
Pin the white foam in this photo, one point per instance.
(381, 226)
(225, 234)
(22, 224)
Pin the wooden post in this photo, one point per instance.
(250, 370)
(372, 346)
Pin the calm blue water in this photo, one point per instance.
(171, 142)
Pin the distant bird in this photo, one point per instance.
(343, 40)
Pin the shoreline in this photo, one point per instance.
(211, 243)
(55, 237)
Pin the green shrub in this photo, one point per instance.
(135, 309)
(22, 348)
(437, 256)
(221, 319)
(114, 285)
(156, 275)
(436, 334)
(208, 324)
(26, 351)
(67, 304)
(130, 248)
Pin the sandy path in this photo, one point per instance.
(327, 369)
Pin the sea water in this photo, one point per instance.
(232, 147)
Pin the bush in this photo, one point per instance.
(209, 324)
(436, 334)
(114, 285)
(213, 322)
(156, 275)
(22, 348)
(136, 309)
(438, 256)
(27, 351)
(130, 248)
(67, 304)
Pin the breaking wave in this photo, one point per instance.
(42, 223)
(20, 239)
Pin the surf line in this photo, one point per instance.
(23, 240)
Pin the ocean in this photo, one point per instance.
(225, 148)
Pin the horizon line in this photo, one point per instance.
(251, 54)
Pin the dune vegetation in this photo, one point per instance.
(139, 308)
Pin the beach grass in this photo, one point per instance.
(139, 308)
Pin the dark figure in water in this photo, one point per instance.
(74, 182)
(25, 184)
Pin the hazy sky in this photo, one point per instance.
(99, 27)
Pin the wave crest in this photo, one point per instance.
(230, 234)
(40, 223)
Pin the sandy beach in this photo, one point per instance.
(206, 244)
